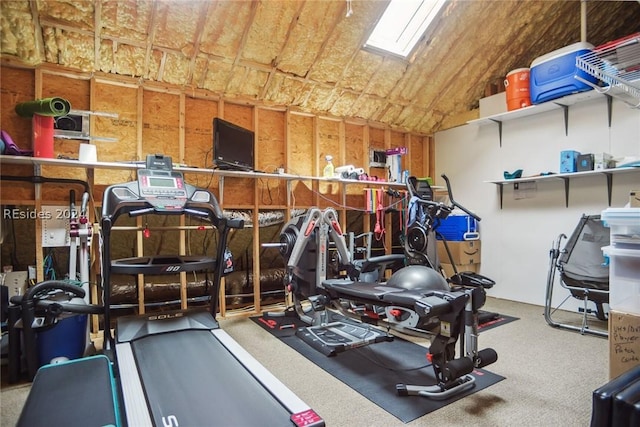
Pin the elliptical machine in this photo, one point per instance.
(412, 298)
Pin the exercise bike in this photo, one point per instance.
(410, 300)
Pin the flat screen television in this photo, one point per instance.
(233, 146)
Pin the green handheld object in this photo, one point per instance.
(45, 107)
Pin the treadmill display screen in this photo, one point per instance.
(162, 182)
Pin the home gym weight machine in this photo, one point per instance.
(411, 298)
(172, 368)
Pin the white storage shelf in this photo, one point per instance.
(566, 177)
(561, 103)
(617, 66)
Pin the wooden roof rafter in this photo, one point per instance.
(197, 38)
(274, 65)
(151, 30)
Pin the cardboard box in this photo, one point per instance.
(449, 271)
(494, 104)
(634, 199)
(463, 252)
(624, 342)
(603, 161)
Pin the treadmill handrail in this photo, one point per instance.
(119, 199)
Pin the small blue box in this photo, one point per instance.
(457, 228)
(554, 75)
(569, 161)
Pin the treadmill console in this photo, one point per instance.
(160, 185)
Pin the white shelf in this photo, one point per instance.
(39, 161)
(566, 177)
(561, 103)
(616, 65)
(555, 104)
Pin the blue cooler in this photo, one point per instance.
(554, 75)
(457, 228)
(66, 339)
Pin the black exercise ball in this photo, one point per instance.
(418, 277)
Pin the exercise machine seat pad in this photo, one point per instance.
(75, 393)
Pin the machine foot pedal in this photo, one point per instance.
(337, 337)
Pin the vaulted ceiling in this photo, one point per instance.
(307, 55)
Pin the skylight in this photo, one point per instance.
(402, 24)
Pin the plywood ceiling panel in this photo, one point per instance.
(307, 55)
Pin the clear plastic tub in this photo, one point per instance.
(624, 279)
(625, 226)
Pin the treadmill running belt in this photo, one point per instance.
(192, 377)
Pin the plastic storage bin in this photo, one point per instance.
(625, 227)
(66, 339)
(458, 228)
(554, 75)
(624, 279)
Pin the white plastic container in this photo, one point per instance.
(625, 226)
(624, 279)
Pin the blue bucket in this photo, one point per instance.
(66, 339)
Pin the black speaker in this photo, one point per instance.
(69, 122)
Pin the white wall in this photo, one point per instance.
(516, 239)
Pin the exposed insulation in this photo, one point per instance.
(216, 75)
(386, 77)
(390, 114)
(177, 22)
(247, 82)
(367, 106)
(344, 104)
(303, 43)
(321, 98)
(362, 69)
(268, 31)
(224, 28)
(126, 19)
(307, 54)
(176, 69)
(122, 59)
(67, 12)
(285, 91)
(348, 33)
(18, 32)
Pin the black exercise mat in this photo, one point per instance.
(374, 370)
(500, 320)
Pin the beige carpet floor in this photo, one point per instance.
(550, 376)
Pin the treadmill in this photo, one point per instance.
(178, 368)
